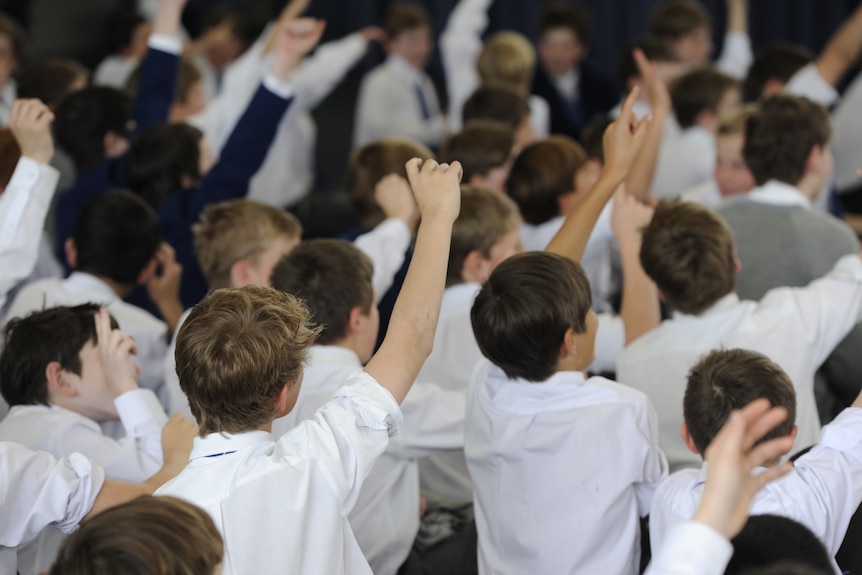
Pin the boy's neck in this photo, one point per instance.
(122, 290)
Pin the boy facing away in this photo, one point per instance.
(281, 506)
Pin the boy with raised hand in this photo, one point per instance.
(240, 356)
(824, 488)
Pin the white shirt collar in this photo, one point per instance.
(329, 354)
(567, 84)
(778, 193)
(402, 67)
(728, 301)
(93, 286)
(524, 397)
(217, 444)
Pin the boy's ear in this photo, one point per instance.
(772, 86)
(569, 348)
(475, 267)
(58, 383)
(71, 253)
(239, 275)
(567, 202)
(354, 322)
(686, 437)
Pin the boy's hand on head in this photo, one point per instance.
(623, 140)
(629, 217)
(655, 88)
(395, 198)
(178, 436)
(436, 187)
(295, 39)
(115, 352)
(732, 456)
(164, 286)
(30, 123)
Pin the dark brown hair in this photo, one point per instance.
(496, 101)
(480, 147)
(575, 17)
(405, 16)
(674, 19)
(699, 91)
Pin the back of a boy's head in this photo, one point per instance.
(238, 230)
(189, 76)
(521, 315)
(574, 17)
(235, 353)
(373, 162)
(145, 536)
(699, 91)
(10, 153)
(486, 217)
(777, 62)
(50, 80)
(688, 251)
(162, 159)
(480, 147)
(655, 49)
(777, 545)
(496, 101)
(32, 342)
(84, 118)
(541, 173)
(332, 277)
(780, 135)
(725, 380)
(116, 236)
(405, 16)
(507, 57)
(673, 19)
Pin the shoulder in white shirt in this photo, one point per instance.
(706, 194)
(686, 159)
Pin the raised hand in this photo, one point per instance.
(178, 435)
(629, 217)
(30, 122)
(115, 351)
(655, 87)
(395, 198)
(294, 39)
(436, 187)
(623, 139)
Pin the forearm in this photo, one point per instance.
(571, 240)
(843, 49)
(737, 16)
(639, 180)
(639, 310)
(321, 72)
(168, 17)
(115, 493)
(171, 311)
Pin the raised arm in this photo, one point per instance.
(736, 55)
(639, 180)
(410, 336)
(622, 142)
(843, 49)
(291, 11)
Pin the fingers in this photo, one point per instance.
(627, 112)
(769, 451)
(645, 67)
(103, 326)
(770, 474)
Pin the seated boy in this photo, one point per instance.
(486, 149)
(822, 492)
(501, 103)
(781, 240)
(116, 245)
(333, 278)
(687, 157)
(240, 357)
(689, 253)
(686, 26)
(397, 99)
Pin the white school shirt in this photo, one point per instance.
(62, 432)
(287, 174)
(150, 333)
(706, 194)
(114, 71)
(691, 548)
(736, 55)
(8, 95)
(686, 158)
(808, 83)
(797, 328)
(388, 105)
(39, 490)
(460, 47)
(281, 505)
(562, 471)
(822, 492)
(846, 140)
(385, 519)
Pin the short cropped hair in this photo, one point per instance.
(373, 162)
(32, 342)
(145, 536)
(236, 351)
(688, 251)
(725, 380)
(496, 101)
(734, 123)
(655, 50)
(521, 315)
(780, 135)
(541, 173)
(84, 118)
(485, 218)
(700, 90)
(10, 153)
(116, 236)
(16, 34)
(773, 541)
(332, 277)
(575, 17)
(507, 57)
(120, 28)
(480, 147)
(161, 159)
(674, 19)
(189, 76)
(238, 230)
(405, 16)
(775, 62)
(50, 80)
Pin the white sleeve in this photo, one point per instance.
(655, 463)
(808, 83)
(736, 55)
(610, 341)
(433, 420)
(460, 46)
(38, 490)
(324, 69)
(540, 117)
(23, 207)
(691, 549)
(386, 246)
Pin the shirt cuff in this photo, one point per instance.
(844, 433)
(137, 407)
(376, 406)
(89, 479)
(170, 44)
(693, 547)
(281, 88)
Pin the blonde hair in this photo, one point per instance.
(238, 230)
(733, 123)
(235, 353)
(507, 57)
